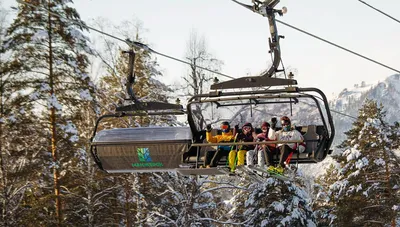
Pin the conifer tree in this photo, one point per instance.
(49, 55)
(322, 204)
(184, 200)
(272, 203)
(366, 192)
(19, 143)
(20, 149)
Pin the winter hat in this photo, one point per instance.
(227, 126)
(285, 119)
(247, 124)
(265, 124)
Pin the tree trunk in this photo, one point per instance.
(391, 197)
(3, 180)
(115, 203)
(53, 127)
(2, 164)
(127, 204)
(89, 190)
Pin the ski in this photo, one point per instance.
(272, 174)
(226, 170)
(249, 172)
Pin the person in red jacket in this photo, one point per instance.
(267, 134)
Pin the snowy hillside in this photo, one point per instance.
(349, 101)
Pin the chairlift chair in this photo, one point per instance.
(266, 90)
(318, 137)
(140, 149)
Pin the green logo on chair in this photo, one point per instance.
(145, 159)
(144, 154)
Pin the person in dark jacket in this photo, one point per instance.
(246, 135)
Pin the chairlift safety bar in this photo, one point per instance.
(246, 143)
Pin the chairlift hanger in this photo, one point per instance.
(137, 104)
(265, 9)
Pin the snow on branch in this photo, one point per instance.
(85, 95)
(53, 102)
(163, 216)
(223, 187)
(225, 222)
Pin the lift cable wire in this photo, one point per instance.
(130, 43)
(338, 46)
(145, 47)
(398, 21)
(337, 112)
(333, 111)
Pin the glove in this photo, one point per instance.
(209, 128)
(273, 123)
(302, 148)
(259, 139)
(237, 127)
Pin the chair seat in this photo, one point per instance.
(192, 159)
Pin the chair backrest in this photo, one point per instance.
(311, 138)
(215, 132)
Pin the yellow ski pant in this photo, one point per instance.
(241, 158)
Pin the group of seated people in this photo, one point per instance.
(263, 152)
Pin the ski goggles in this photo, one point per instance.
(284, 123)
(264, 128)
(246, 128)
(224, 127)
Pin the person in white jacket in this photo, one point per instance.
(286, 134)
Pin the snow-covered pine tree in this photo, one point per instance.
(322, 204)
(19, 143)
(367, 190)
(20, 152)
(185, 200)
(271, 203)
(89, 190)
(49, 55)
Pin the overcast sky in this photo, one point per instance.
(239, 37)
